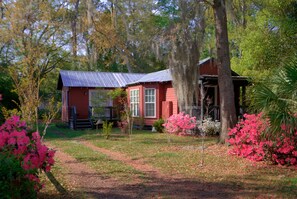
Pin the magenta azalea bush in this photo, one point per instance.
(285, 150)
(26, 151)
(179, 123)
(245, 137)
(248, 140)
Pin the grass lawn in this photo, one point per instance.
(182, 156)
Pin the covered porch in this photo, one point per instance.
(209, 97)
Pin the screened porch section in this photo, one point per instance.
(102, 106)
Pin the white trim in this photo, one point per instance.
(155, 104)
(130, 104)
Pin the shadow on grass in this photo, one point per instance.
(178, 188)
(56, 183)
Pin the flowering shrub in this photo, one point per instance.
(29, 152)
(123, 125)
(210, 127)
(246, 137)
(179, 123)
(284, 150)
(248, 141)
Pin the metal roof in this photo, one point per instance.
(159, 76)
(117, 80)
(96, 79)
(205, 60)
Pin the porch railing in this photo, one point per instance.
(214, 112)
(72, 115)
(105, 113)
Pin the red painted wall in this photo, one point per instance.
(164, 92)
(208, 68)
(171, 96)
(79, 97)
(160, 96)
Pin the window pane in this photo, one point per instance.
(150, 104)
(134, 102)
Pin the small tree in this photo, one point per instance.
(125, 113)
(53, 109)
(107, 127)
(34, 35)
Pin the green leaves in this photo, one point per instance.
(277, 97)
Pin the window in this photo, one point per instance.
(150, 102)
(134, 102)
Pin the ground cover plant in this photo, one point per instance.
(180, 158)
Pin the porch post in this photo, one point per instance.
(201, 100)
(243, 99)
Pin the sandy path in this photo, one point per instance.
(136, 164)
(88, 183)
(159, 185)
(155, 184)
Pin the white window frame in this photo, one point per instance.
(155, 104)
(138, 102)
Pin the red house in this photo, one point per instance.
(150, 96)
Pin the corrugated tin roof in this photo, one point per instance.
(97, 79)
(205, 60)
(114, 80)
(159, 76)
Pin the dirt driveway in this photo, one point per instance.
(88, 183)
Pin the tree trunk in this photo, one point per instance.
(227, 104)
(74, 29)
(186, 40)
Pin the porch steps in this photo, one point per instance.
(83, 124)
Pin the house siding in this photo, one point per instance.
(79, 97)
(171, 97)
(160, 96)
(208, 68)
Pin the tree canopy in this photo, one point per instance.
(40, 37)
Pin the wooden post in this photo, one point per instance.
(243, 99)
(201, 100)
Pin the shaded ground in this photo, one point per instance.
(87, 183)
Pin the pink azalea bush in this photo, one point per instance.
(245, 137)
(248, 141)
(30, 153)
(285, 149)
(179, 123)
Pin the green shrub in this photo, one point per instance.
(159, 125)
(107, 127)
(13, 180)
